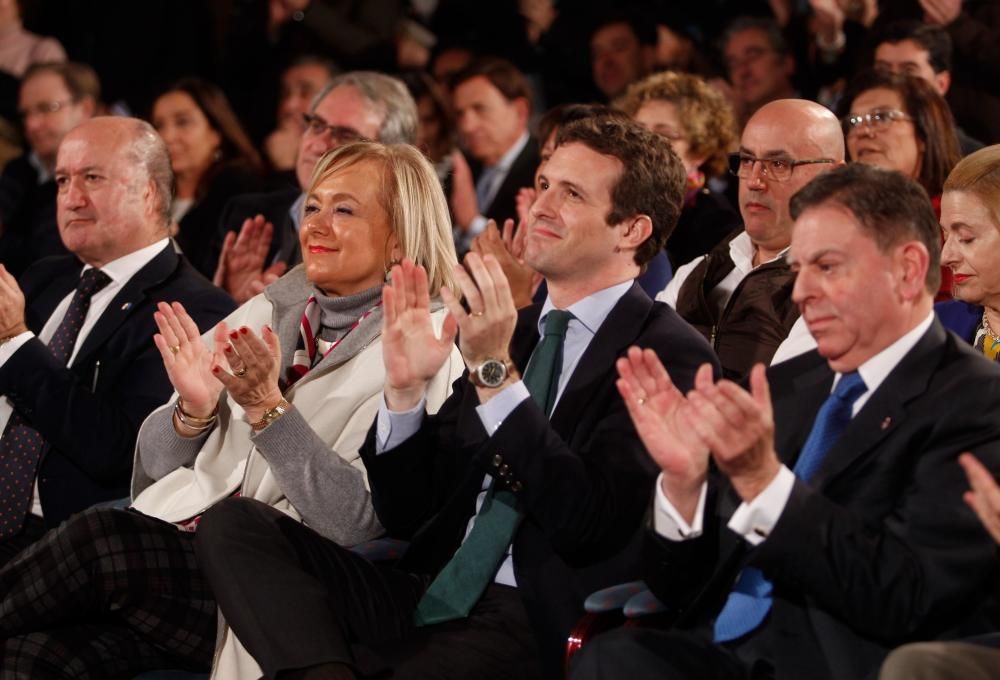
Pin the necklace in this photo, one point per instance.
(988, 330)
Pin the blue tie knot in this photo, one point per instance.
(850, 387)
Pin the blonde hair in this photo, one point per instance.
(707, 117)
(411, 194)
(979, 174)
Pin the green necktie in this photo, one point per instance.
(460, 584)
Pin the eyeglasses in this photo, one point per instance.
(875, 120)
(778, 169)
(44, 108)
(338, 133)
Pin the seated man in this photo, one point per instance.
(549, 468)
(829, 526)
(739, 296)
(53, 99)
(260, 232)
(79, 369)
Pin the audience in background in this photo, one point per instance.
(54, 99)
(19, 48)
(212, 159)
(621, 52)
(304, 78)
(759, 64)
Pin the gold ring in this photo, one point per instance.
(240, 372)
(478, 313)
(175, 348)
(641, 400)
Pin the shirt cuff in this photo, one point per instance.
(755, 520)
(495, 411)
(668, 522)
(392, 428)
(464, 239)
(8, 348)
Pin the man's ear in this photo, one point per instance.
(943, 81)
(912, 260)
(637, 230)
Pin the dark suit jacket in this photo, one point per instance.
(878, 549)
(274, 206)
(521, 174)
(28, 230)
(582, 476)
(90, 413)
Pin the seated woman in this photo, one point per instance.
(212, 158)
(701, 127)
(899, 122)
(274, 406)
(970, 218)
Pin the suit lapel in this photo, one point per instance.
(885, 410)
(58, 283)
(129, 299)
(618, 331)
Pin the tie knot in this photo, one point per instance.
(556, 322)
(92, 281)
(850, 387)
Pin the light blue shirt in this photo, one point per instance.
(393, 428)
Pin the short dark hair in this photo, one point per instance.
(931, 116)
(652, 180)
(891, 208)
(934, 40)
(563, 114)
(643, 26)
(80, 80)
(502, 75)
(769, 27)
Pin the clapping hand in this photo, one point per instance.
(11, 306)
(254, 363)
(187, 360)
(411, 351)
(241, 270)
(984, 497)
(508, 249)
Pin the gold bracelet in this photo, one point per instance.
(187, 417)
(195, 428)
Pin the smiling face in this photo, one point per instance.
(191, 141)
(971, 248)
(848, 291)
(346, 235)
(892, 147)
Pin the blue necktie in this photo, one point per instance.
(460, 584)
(750, 600)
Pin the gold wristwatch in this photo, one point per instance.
(270, 415)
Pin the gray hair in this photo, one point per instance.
(147, 150)
(385, 94)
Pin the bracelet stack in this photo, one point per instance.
(193, 422)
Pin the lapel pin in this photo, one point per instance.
(886, 423)
(126, 306)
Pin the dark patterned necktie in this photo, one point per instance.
(460, 584)
(750, 600)
(21, 445)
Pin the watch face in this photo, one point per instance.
(492, 372)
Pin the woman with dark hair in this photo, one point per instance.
(212, 159)
(899, 122)
(436, 132)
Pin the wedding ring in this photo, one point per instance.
(240, 372)
(477, 313)
(175, 348)
(641, 400)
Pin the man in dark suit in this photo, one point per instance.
(53, 99)
(78, 366)
(768, 572)
(492, 104)
(567, 488)
(259, 233)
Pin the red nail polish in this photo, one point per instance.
(229, 350)
(234, 335)
(244, 330)
(215, 369)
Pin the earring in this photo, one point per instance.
(387, 271)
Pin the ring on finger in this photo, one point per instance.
(477, 314)
(175, 349)
(240, 372)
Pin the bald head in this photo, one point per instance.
(793, 130)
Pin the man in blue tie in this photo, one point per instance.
(804, 528)
(526, 491)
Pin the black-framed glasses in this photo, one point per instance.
(339, 134)
(876, 120)
(778, 169)
(45, 108)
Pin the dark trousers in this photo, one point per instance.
(33, 529)
(649, 654)
(108, 594)
(297, 600)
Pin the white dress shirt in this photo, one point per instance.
(119, 271)
(393, 428)
(499, 175)
(755, 520)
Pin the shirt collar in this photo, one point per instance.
(592, 310)
(125, 267)
(741, 250)
(877, 369)
(44, 174)
(513, 152)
